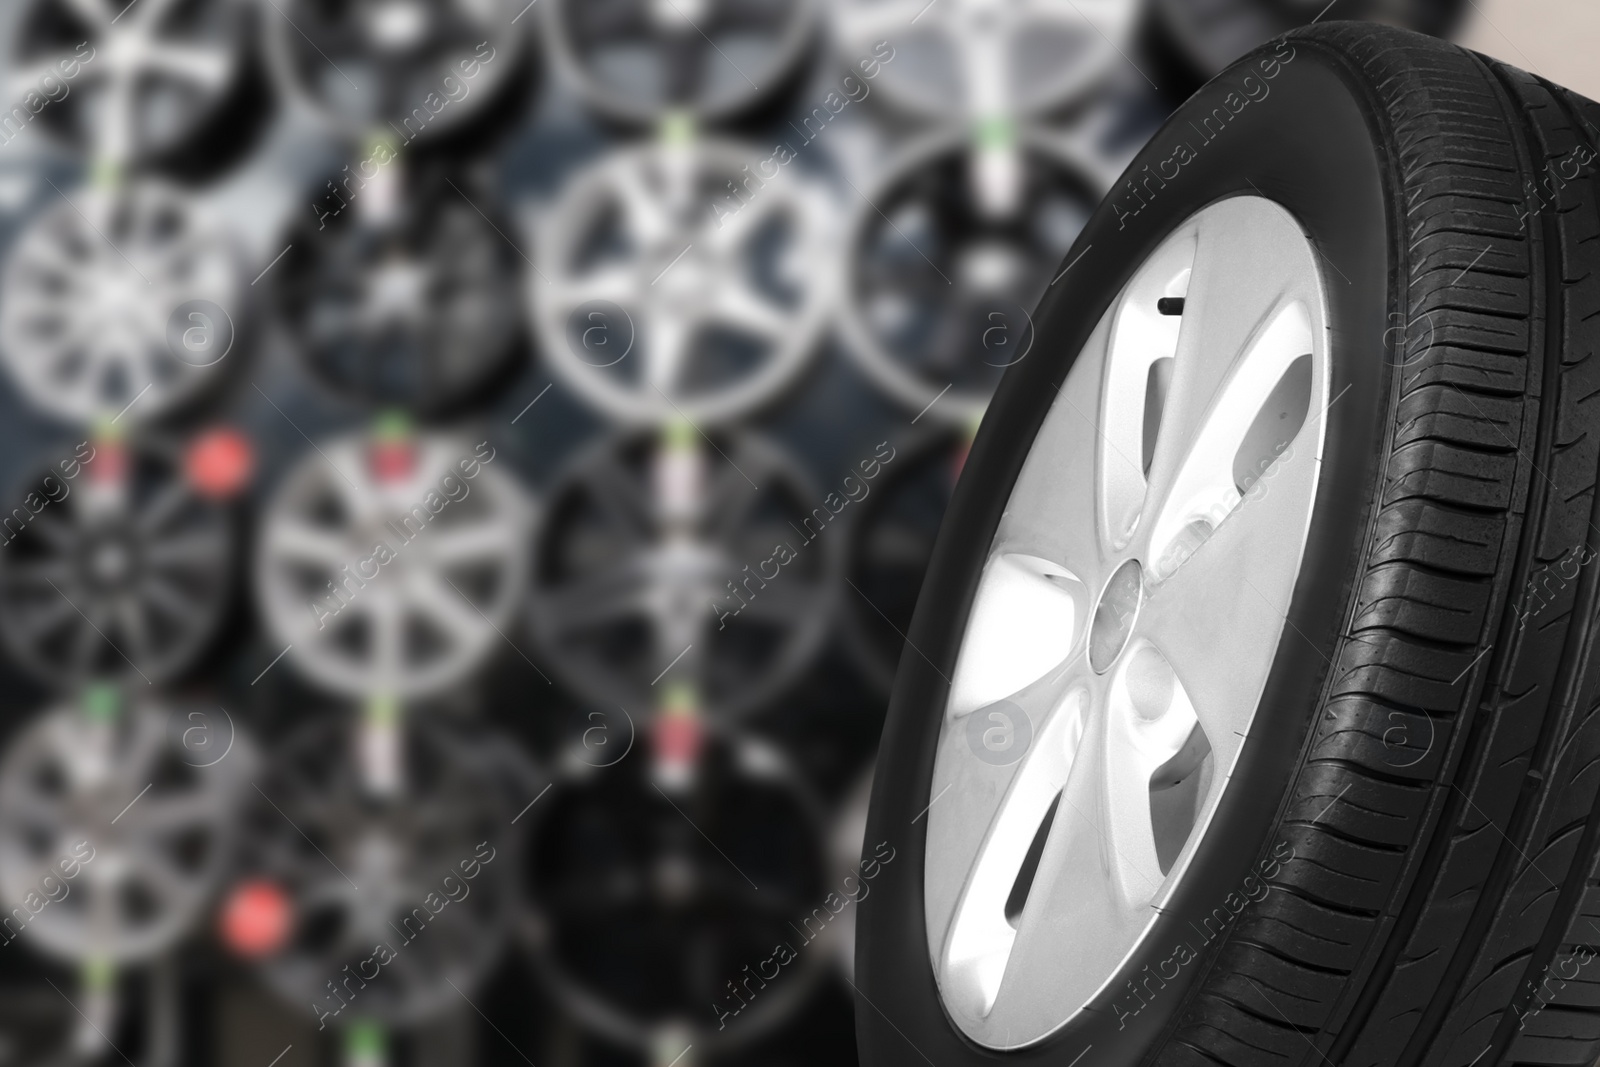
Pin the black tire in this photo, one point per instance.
(1431, 752)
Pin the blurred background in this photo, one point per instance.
(467, 466)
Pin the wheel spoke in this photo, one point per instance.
(482, 544)
(92, 12)
(601, 600)
(207, 68)
(1027, 619)
(1249, 315)
(1143, 344)
(196, 551)
(868, 22)
(296, 539)
(986, 830)
(1051, 513)
(449, 611)
(671, 346)
(1078, 908)
(611, 281)
(648, 219)
(385, 615)
(1239, 573)
(164, 507)
(740, 306)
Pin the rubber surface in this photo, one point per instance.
(1427, 756)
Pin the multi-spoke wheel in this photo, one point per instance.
(978, 59)
(1213, 33)
(412, 68)
(681, 561)
(639, 60)
(393, 563)
(891, 542)
(415, 305)
(427, 871)
(120, 301)
(142, 78)
(109, 802)
(644, 904)
(662, 293)
(122, 573)
(1243, 717)
(947, 258)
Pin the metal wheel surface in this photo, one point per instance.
(640, 570)
(158, 829)
(416, 307)
(146, 77)
(940, 284)
(376, 67)
(125, 577)
(389, 570)
(661, 294)
(979, 59)
(98, 292)
(1096, 710)
(639, 60)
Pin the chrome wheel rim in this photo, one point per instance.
(432, 613)
(91, 289)
(936, 302)
(152, 867)
(639, 60)
(124, 578)
(982, 58)
(690, 275)
(1128, 614)
(638, 563)
(368, 66)
(157, 73)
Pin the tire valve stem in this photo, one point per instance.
(1170, 305)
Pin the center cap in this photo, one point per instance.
(1114, 615)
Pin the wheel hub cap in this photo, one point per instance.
(1114, 616)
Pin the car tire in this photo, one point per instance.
(1400, 865)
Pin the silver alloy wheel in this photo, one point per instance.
(148, 868)
(644, 558)
(91, 289)
(1128, 613)
(153, 72)
(418, 618)
(640, 60)
(947, 255)
(372, 67)
(720, 295)
(985, 58)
